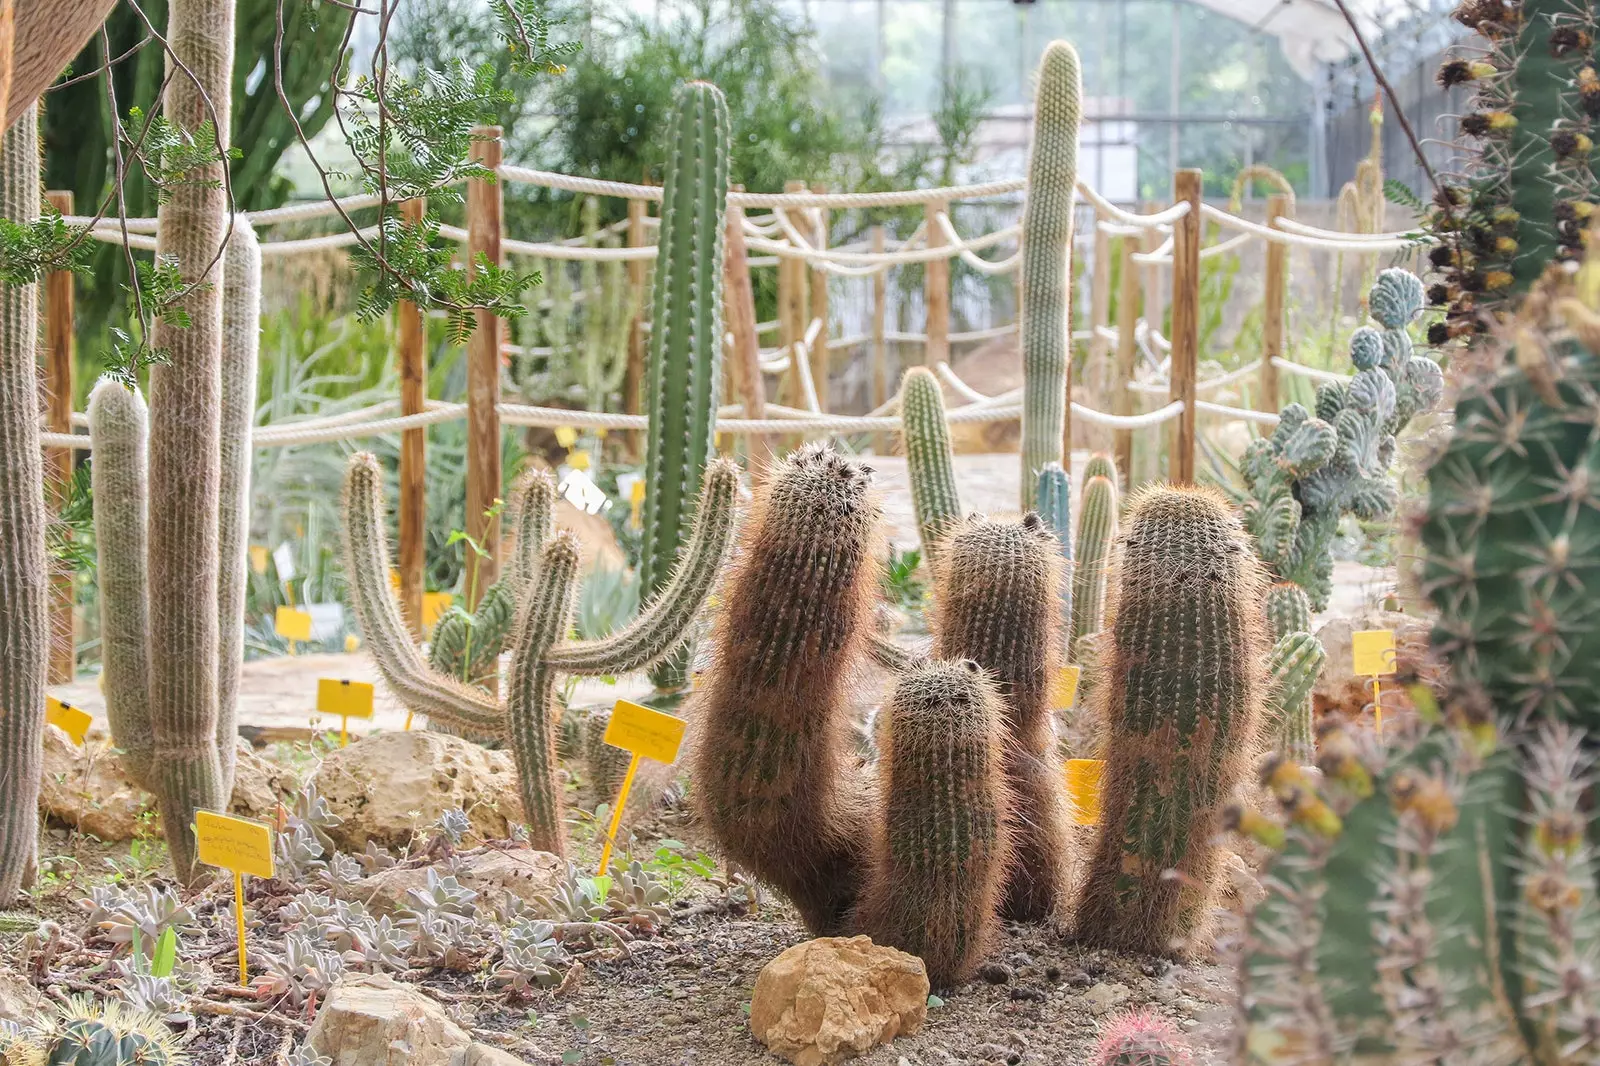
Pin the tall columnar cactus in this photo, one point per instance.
(1311, 471)
(938, 867)
(999, 587)
(1101, 465)
(539, 650)
(1288, 610)
(684, 371)
(1292, 670)
(1097, 532)
(1045, 281)
(1055, 507)
(608, 310)
(772, 765)
(1180, 694)
(930, 462)
(24, 619)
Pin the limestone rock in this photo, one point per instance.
(494, 875)
(85, 789)
(597, 543)
(1103, 997)
(259, 785)
(374, 1020)
(389, 785)
(834, 998)
(1241, 888)
(20, 1002)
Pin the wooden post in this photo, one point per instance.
(1122, 377)
(880, 345)
(821, 360)
(58, 461)
(483, 367)
(1272, 310)
(1185, 322)
(412, 357)
(739, 301)
(792, 317)
(936, 291)
(1099, 347)
(633, 377)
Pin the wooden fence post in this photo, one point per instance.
(484, 230)
(58, 461)
(821, 358)
(1099, 347)
(739, 301)
(633, 377)
(936, 291)
(1185, 322)
(880, 344)
(1122, 377)
(413, 359)
(1272, 310)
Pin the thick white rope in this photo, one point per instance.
(1307, 371)
(1283, 236)
(287, 213)
(1128, 218)
(1162, 253)
(107, 235)
(1153, 418)
(317, 244)
(802, 357)
(970, 257)
(1264, 417)
(1296, 226)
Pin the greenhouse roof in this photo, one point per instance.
(1312, 32)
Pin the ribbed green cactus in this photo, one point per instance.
(85, 1033)
(1292, 670)
(1044, 283)
(607, 765)
(772, 765)
(1288, 610)
(608, 311)
(930, 462)
(684, 369)
(938, 869)
(1055, 507)
(1101, 465)
(24, 574)
(538, 650)
(998, 590)
(1180, 694)
(1097, 532)
(1311, 471)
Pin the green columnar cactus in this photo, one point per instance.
(773, 770)
(24, 574)
(241, 344)
(998, 590)
(1311, 471)
(930, 462)
(1288, 610)
(538, 651)
(684, 369)
(1097, 532)
(1292, 670)
(607, 765)
(1055, 507)
(937, 871)
(1101, 465)
(1044, 283)
(1180, 694)
(608, 310)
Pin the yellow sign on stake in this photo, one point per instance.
(1373, 654)
(1065, 690)
(258, 558)
(242, 847)
(347, 699)
(648, 734)
(434, 605)
(1083, 789)
(292, 624)
(578, 459)
(566, 436)
(73, 721)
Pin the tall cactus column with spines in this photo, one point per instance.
(24, 618)
(930, 461)
(1055, 507)
(1180, 693)
(1045, 280)
(684, 372)
(772, 763)
(1292, 670)
(1097, 532)
(999, 590)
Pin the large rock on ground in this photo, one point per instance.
(832, 999)
(387, 786)
(259, 785)
(374, 1020)
(20, 1002)
(494, 875)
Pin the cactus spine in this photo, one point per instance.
(930, 462)
(1179, 692)
(684, 371)
(1097, 532)
(1045, 280)
(1292, 670)
(938, 870)
(24, 623)
(999, 586)
(538, 649)
(772, 762)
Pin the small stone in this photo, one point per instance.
(365, 1018)
(1189, 1005)
(1187, 1024)
(834, 998)
(1103, 997)
(1167, 993)
(995, 973)
(1052, 974)
(672, 1019)
(1079, 979)
(1023, 992)
(1021, 958)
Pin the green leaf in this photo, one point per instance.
(166, 954)
(1398, 192)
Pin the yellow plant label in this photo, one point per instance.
(258, 558)
(636, 493)
(349, 699)
(434, 605)
(236, 844)
(566, 436)
(578, 460)
(1083, 789)
(73, 721)
(645, 732)
(293, 624)
(1373, 651)
(600, 432)
(1065, 690)
(394, 579)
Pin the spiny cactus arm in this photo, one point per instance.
(1097, 532)
(544, 616)
(534, 502)
(660, 627)
(1045, 280)
(895, 658)
(366, 547)
(24, 575)
(241, 342)
(1288, 610)
(1293, 667)
(930, 463)
(119, 428)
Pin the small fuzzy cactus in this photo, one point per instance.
(1044, 282)
(1097, 533)
(1179, 692)
(772, 763)
(930, 462)
(1292, 671)
(1141, 1038)
(938, 867)
(998, 591)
